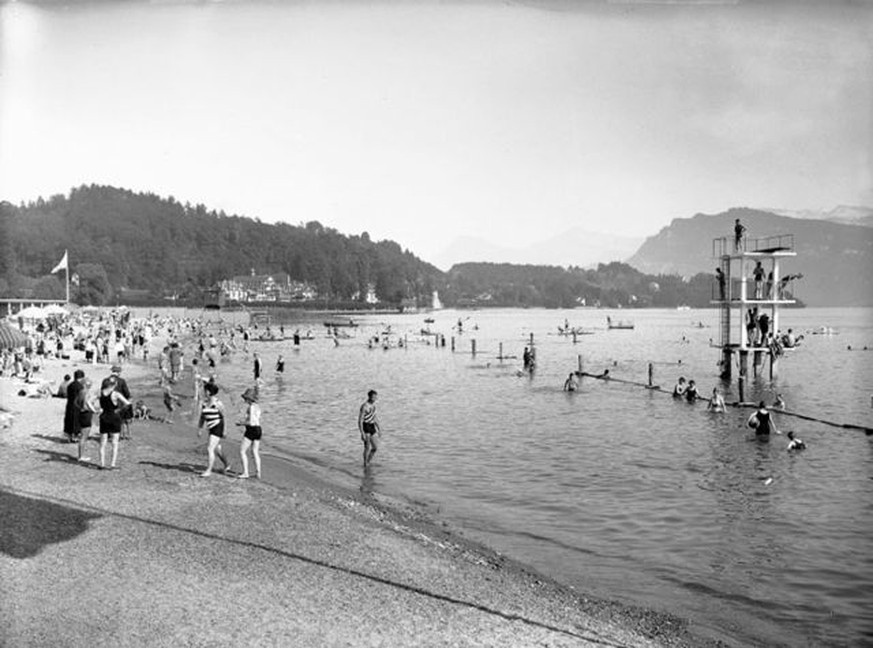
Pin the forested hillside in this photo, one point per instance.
(118, 239)
(121, 239)
(610, 285)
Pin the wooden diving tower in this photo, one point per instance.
(739, 290)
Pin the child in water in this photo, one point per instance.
(795, 444)
(691, 394)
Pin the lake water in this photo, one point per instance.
(615, 490)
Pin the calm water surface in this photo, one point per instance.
(616, 490)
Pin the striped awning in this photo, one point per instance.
(10, 337)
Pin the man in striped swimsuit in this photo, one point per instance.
(368, 426)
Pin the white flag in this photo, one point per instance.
(62, 265)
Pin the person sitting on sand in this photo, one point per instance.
(794, 443)
(572, 382)
(252, 434)
(111, 404)
(680, 388)
(691, 393)
(62, 388)
(762, 421)
(716, 402)
(212, 417)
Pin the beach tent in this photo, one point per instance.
(55, 309)
(11, 338)
(31, 313)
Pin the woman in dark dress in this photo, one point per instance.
(111, 404)
(71, 412)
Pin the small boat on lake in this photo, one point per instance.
(350, 323)
(573, 330)
(267, 336)
(619, 324)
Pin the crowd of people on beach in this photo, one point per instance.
(107, 402)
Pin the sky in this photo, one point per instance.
(426, 121)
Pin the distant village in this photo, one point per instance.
(277, 287)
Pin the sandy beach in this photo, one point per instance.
(152, 554)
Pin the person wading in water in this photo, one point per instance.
(368, 426)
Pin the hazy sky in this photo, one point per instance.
(425, 121)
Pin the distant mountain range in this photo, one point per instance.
(574, 247)
(836, 259)
(845, 214)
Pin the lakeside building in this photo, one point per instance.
(277, 287)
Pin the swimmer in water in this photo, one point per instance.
(679, 389)
(691, 393)
(716, 402)
(795, 444)
(779, 403)
(762, 421)
(572, 382)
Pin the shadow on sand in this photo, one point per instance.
(182, 467)
(30, 524)
(53, 439)
(66, 457)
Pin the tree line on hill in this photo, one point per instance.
(120, 241)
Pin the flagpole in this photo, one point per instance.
(68, 275)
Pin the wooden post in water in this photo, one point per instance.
(757, 361)
(453, 344)
(651, 373)
(500, 353)
(579, 362)
(531, 340)
(405, 341)
(574, 336)
(473, 346)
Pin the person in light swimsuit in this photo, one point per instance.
(368, 426)
(252, 434)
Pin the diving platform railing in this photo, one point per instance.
(782, 292)
(768, 245)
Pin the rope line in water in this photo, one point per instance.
(848, 426)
